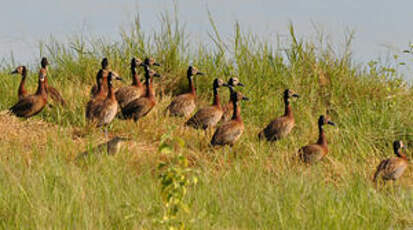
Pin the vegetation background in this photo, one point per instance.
(253, 185)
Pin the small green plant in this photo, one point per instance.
(175, 177)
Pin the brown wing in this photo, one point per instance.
(138, 108)
(205, 118)
(277, 129)
(127, 94)
(182, 105)
(391, 169)
(55, 95)
(92, 107)
(228, 111)
(228, 133)
(380, 168)
(28, 106)
(311, 153)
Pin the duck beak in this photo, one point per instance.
(157, 75)
(245, 98)
(200, 73)
(296, 95)
(119, 78)
(13, 72)
(157, 64)
(240, 84)
(225, 85)
(331, 123)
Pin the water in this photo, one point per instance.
(381, 27)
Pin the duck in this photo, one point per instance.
(315, 152)
(140, 107)
(281, 126)
(52, 92)
(183, 105)
(229, 108)
(209, 116)
(32, 104)
(96, 101)
(105, 110)
(102, 74)
(21, 92)
(392, 168)
(126, 94)
(229, 132)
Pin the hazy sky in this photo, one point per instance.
(377, 23)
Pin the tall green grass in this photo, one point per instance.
(262, 188)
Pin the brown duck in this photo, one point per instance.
(315, 152)
(51, 91)
(229, 132)
(184, 104)
(32, 104)
(96, 101)
(105, 111)
(102, 74)
(127, 94)
(392, 168)
(229, 107)
(21, 92)
(281, 126)
(140, 107)
(209, 116)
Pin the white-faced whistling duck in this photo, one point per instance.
(209, 116)
(229, 107)
(23, 72)
(104, 112)
(51, 91)
(126, 94)
(315, 152)
(140, 107)
(32, 104)
(102, 74)
(281, 126)
(97, 100)
(392, 168)
(129, 93)
(229, 132)
(184, 104)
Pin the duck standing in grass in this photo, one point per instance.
(129, 93)
(105, 110)
(101, 75)
(281, 126)
(140, 107)
(94, 103)
(392, 168)
(229, 107)
(209, 116)
(33, 104)
(51, 91)
(184, 104)
(21, 92)
(229, 132)
(315, 152)
(126, 94)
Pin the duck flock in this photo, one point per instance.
(138, 99)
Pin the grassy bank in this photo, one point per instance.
(44, 187)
